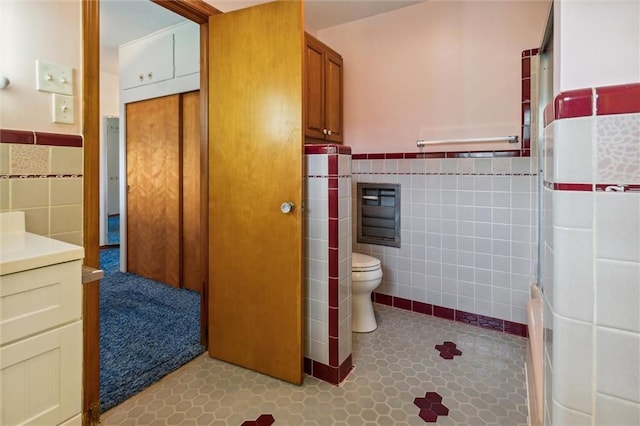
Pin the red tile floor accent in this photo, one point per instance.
(263, 420)
(431, 407)
(448, 350)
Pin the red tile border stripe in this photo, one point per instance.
(582, 187)
(443, 154)
(28, 137)
(327, 149)
(332, 375)
(573, 103)
(622, 99)
(587, 187)
(17, 137)
(609, 100)
(55, 139)
(477, 320)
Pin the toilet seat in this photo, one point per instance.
(363, 263)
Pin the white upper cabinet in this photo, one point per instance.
(146, 61)
(168, 54)
(187, 49)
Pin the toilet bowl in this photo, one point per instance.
(366, 275)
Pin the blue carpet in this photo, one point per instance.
(147, 330)
(113, 229)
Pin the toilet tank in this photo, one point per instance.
(379, 214)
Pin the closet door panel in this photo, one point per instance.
(154, 189)
(191, 237)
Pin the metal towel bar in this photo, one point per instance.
(511, 139)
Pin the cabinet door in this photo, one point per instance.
(187, 52)
(314, 89)
(146, 61)
(333, 96)
(41, 377)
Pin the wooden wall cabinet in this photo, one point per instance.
(323, 93)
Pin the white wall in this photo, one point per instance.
(109, 106)
(597, 43)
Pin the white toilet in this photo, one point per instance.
(366, 275)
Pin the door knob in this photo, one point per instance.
(287, 207)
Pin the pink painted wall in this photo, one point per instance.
(31, 30)
(43, 180)
(435, 70)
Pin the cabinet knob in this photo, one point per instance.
(329, 132)
(141, 77)
(324, 131)
(150, 75)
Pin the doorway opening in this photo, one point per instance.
(149, 323)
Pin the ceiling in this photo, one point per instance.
(125, 20)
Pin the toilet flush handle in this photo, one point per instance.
(287, 207)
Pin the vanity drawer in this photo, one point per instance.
(39, 299)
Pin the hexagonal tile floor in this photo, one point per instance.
(394, 366)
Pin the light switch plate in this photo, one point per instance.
(54, 78)
(63, 110)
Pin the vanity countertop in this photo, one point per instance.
(20, 250)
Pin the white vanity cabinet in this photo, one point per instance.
(40, 327)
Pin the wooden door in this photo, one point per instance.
(255, 164)
(153, 195)
(333, 96)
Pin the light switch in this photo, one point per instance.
(54, 78)
(62, 109)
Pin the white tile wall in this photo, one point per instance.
(591, 273)
(565, 416)
(616, 411)
(317, 258)
(316, 262)
(344, 235)
(468, 233)
(618, 363)
(572, 357)
(617, 230)
(618, 290)
(574, 140)
(574, 272)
